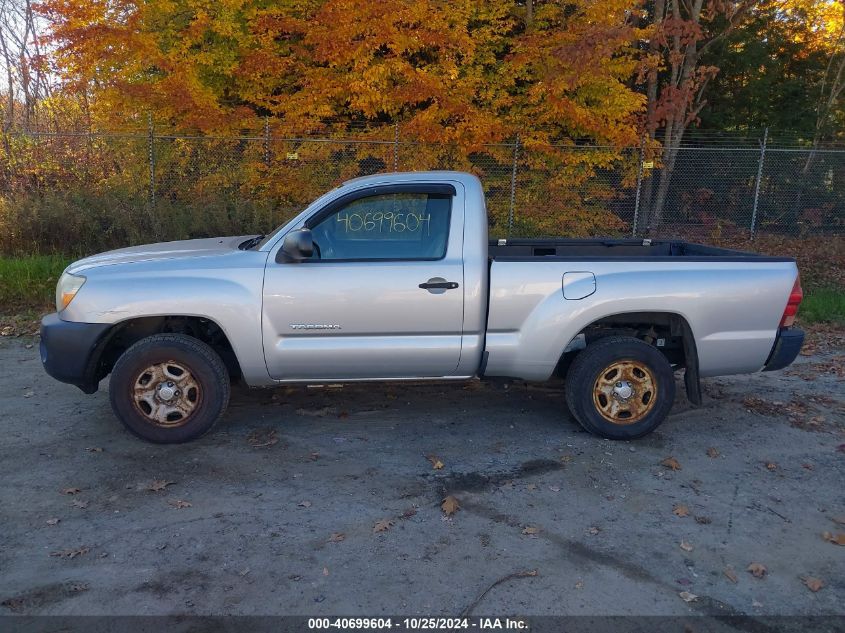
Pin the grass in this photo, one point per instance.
(29, 282)
(823, 305)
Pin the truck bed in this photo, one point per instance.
(615, 249)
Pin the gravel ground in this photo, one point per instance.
(275, 511)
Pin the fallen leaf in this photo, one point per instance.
(71, 553)
(263, 438)
(314, 456)
(383, 525)
(531, 487)
(756, 604)
(554, 488)
(836, 539)
(94, 449)
(304, 504)
(686, 596)
(436, 464)
(71, 491)
(593, 531)
(813, 584)
(687, 547)
(179, 503)
(53, 521)
(530, 530)
(839, 520)
(325, 571)
(157, 485)
(680, 510)
(771, 466)
(343, 415)
(28, 394)
(337, 537)
(579, 584)
(757, 570)
(712, 452)
(703, 520)
(450, 505)
(79, 503)
(671, 463)
(730, 574)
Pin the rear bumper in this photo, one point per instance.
(787, 345)
(69, 350)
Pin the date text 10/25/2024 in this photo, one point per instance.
(418, 623)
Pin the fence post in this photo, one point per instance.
(267, 141)
(151, 156)
(513, 185)
(639, 186)
(759, 178)
(396, 146)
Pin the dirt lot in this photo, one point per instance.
(288, 527)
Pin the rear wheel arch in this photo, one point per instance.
(673, 328)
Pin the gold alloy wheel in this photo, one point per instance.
(166, 394)
(625, 392)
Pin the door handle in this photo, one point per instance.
(443, 285)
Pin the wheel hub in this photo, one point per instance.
(166, 394)
(623, 390)
(166, 391)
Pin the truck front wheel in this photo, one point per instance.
(620, 388)
(169, 388)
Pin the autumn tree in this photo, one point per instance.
(676, 80)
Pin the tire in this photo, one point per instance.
(620, 388)
(169, 388)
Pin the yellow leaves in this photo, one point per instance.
(450, 505)
(836, 539)
(680, 510)
(757, 570)
(384, 525)
(671, 463)
(812, 583)
(461, 70)
(436, 464)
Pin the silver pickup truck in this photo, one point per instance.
(391, 277)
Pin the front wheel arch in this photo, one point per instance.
(122, 335)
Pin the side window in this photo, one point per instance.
(387, 226)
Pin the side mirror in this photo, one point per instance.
(298, 245)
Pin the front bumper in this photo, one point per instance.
(69, 350)
(787, 345)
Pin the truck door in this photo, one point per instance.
(381, 297)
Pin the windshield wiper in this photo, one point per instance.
(248, 244)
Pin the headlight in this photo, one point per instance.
(66, 289)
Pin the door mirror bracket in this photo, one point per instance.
(297, 247)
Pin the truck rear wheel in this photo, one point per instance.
(620, 388)
(169, 388)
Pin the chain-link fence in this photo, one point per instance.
(107, 189)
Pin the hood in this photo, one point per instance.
(181, 249)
